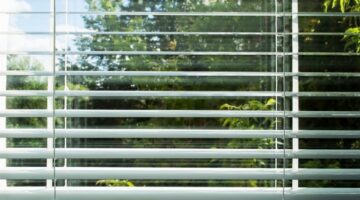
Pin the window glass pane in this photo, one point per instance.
(184, 99)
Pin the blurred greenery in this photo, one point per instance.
(115, 183)
(352, 33)
(172, 43)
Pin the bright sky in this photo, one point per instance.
(25, 23)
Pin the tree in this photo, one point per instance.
(25, 63)
(172, 43)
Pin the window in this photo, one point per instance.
(181, 99)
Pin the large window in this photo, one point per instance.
(179, 99)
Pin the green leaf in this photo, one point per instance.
(270, 102)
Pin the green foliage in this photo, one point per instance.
(23, 63)
(352, 38)
(342, 5)
(157, 42)
(254, 123)
(250, 123)
(352, 34)
(115, 183)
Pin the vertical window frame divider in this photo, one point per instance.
(280, 57)
(284, 125)
(66, 88)
(51, 141)
(277, 35)
(3, 67)
(295, 83)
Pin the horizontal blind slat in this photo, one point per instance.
(142, 133)
(177, 133)
(175, 113)
(198, 13)
(142, 93)
(182, 53)
(108, 153)
(178, 73)
(162, 173)
(179, 193)
(129, 93)
(89, 32)
(137, 113)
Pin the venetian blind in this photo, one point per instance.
(180, 99)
